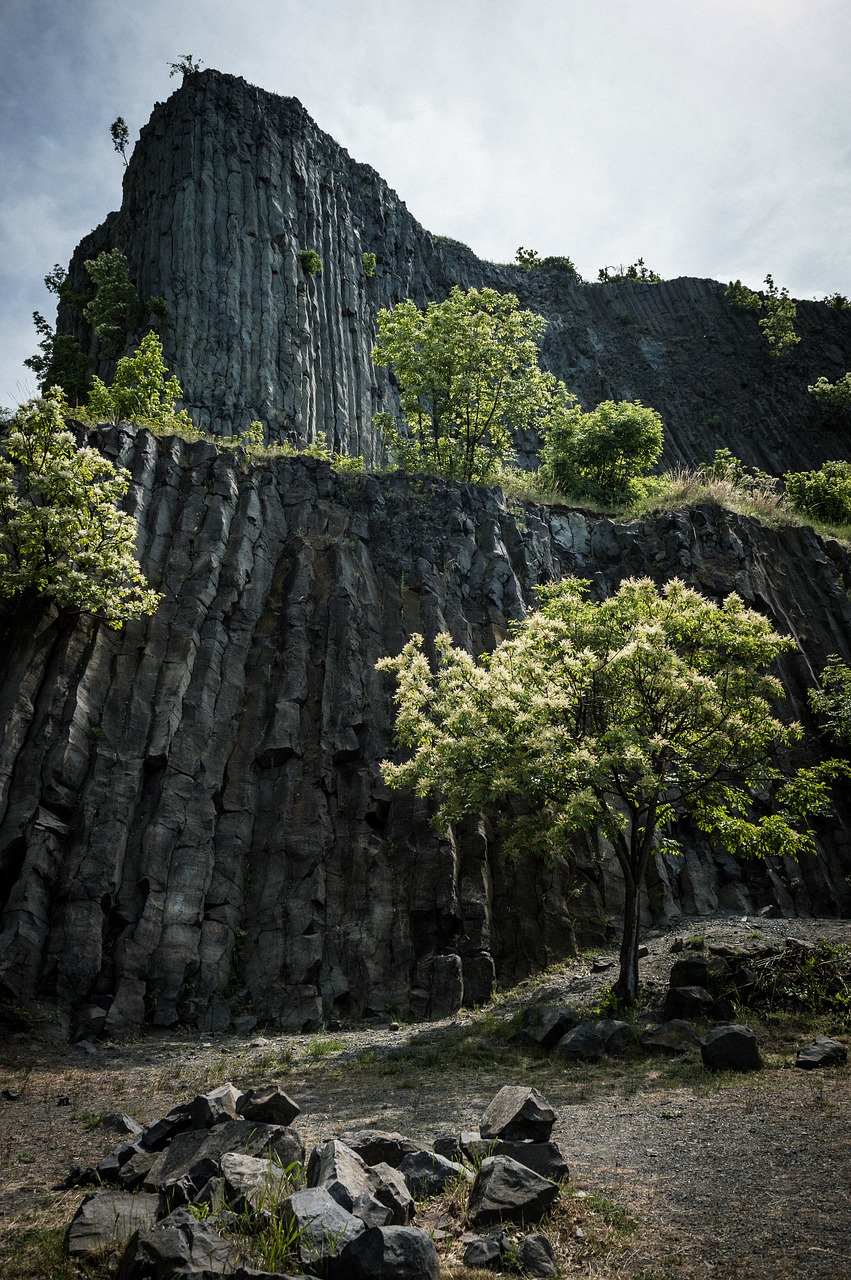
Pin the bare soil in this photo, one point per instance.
(674, 1172)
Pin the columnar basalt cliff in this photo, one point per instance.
(193, 824)
(192, 819)
(229, 182)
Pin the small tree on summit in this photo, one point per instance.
(617, 716)
(120, 135)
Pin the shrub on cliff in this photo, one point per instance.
(619, 716)
(833, 398)
(61, 533)
(824, 494)
(468, 379)
(602, 453)
(140, 391)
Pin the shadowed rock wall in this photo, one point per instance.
(228, 182)
(192, 821)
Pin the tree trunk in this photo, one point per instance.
(626, 986)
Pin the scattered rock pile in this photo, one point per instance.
(217, 1183)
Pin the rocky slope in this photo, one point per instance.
(192, 822)
(229, 182)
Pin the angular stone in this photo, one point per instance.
(341, 1171)
(823, 1052)
(215, 1107)
(179, 1246)
(582, 1044)
(675, 1036)
(269, 1104)
(544, 1158)
(518, 1113)
(426, 1173)
(690, 971)
(108, 1218)
(205, 1148)
(687, 1002)
(537, 1257)
(730, 1048)
(252, 1184)
(617, 1036)
(324, 1228)
(388, 1253)
(119, 1122)
(505, 1190)
(486, 1253)
(545, 1025)
(376, 1146)
(155, 1137)
(392, 1191)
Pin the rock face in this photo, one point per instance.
(192, 819)
(228, 183)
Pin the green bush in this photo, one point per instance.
(635, 271)
(832, 702)
(530, 259)
(741, 298)
(370, 262)
(139, 390)
(824, 494)
(778, 322)
(311, 261)
(116, 310)
(833, 398)
(602, 453)
(838, 302)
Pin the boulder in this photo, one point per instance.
(486, 1252)
(823, 1052)
(536, 1256)
(388, 1253)
(378, 1147)
(617, 1036)
(687, 1002)
(199, 1149)
(180, 1245)
(323, 1227)
(730, 1048)
(215, 1107)
(253, 1185)
(690, 971)
(545, 1025)
(545, 1158)
(269, 1104)
(392, 1191)
(582, 1044)
(108, 1218)
(518, 1113)
(341, 1171)
(675, 1036)
(426, 1173)
(157, 1136)
(505, 1189)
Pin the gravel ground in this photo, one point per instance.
(727, 1179)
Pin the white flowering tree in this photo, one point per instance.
(61, 532)
(619, 716)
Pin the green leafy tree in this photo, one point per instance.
(741, 298)
(61, 532)
(140, 391)
(468, 379)
(778, 323)
(532, 261)
(60, 360)
(369, 262)
(600, 454)
(824, 494)
(116, 311)
(832, 702)
(618, 716)
(120, 135)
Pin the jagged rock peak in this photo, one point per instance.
(229, 182)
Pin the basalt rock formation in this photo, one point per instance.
(193, 826)
(229, 182)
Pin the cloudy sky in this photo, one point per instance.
(710, 137)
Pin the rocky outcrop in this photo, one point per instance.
(228, 183)
(192, 819)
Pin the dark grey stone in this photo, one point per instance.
(582, 1044)
(215, 1107)
(677, 1036)
(379, 1147)
(486, 1253)
(179, 1246)
(189, 1151)
(388, 1253)
(506, 1190)
(426, 1173)
(730, 1048)
(687, 1002)
(545, 1158)
(690, 971)
(324, 1228)
(269, 1104)
(518, 1112)
(108, 1218)
(545, 1025)
(823, 1052)
(617, 1036)
(537, 1257)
